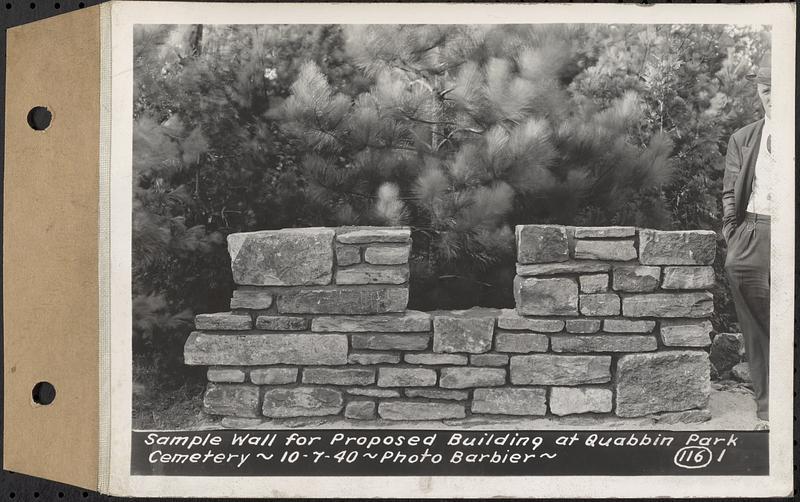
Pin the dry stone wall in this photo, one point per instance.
(608, 320)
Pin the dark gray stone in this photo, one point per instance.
(557, 296)
(281, 323)
(727, 350)
(636, 278)
(541, 243)
(238, 400)
(488, 360)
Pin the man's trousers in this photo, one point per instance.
(747, 265)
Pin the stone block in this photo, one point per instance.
(541, 243)
(373, 392)
(741, 372)
(388, 341)
(223, 321)
(289, 257)
(557, 296)
(347, 255)
(628, 326)
(202, 349)
(366, 358)
(412, 410)
(367, 235)
(387, 255)
(281, 323)
(574, 400)
(662, 381)
(698, 304)
(409, 321)
(551, 369)
(683, 247)
(594, 283)
(688, 277)
(603, 343)
(615, 250)
(462, 333)
(463, 378)
(360, 410)
(251, 299)
(583, 325)
(238, 400)
(372, 274)
(488, 359)
(406, 377)
(240, 422)
(284, 402)
(223, 374)
(273, 376)
(599, 304)
(636, 278)
(451, 395)
(683, 417)
(436, 359)
(510, 401)
(604, 232)
(344, 300)
(509, 319)
(339, 376)
(686, 333)
(727, 350)
(520, 342)
(567, 267)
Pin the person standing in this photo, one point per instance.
(746, 209)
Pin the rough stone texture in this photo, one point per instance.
(251, 299)
(302, 402)
(550, 369)
(281, 323)
(600, 304)
(510, 401)
(684, 247)
(411, 410)
(433, 359)
(583, 325)
(238, 400)
(595, 283)
(636, 278)
(289, 257)
(688, 277)
(360, 410)
(617, 250)
(567, 267)
(488, 359)
(344, 300)
(273, 376)
(464, 378)
(741, 372)
(520, 342)
(387, 255)
(727, 350)
(372, 274)
(233, 375)
(700, 304)
(223, 321)
(683, 417)
(339, 376)
(270, 348)
(347, 255)
(373, 358)
(462, 334)
(406, 377)
(366, 235)
(509, 319)
(572, 400)
(240, 422)
(603, 343)
(373, 392)
(557, 296)
(541, 243)
(452, 395)
(662, 381)
(604, 232)
(385, 341)
(391, 323)
(628, 326)
(686, 333)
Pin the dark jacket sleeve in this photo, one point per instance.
(733, 165)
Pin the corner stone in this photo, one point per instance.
(686, 247)
(302, 402)
(510, 401)
(688, 277)
(686, 333)
(541, 243)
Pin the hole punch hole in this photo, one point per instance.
(43, 393)
(39, 118)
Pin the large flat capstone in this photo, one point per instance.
(270, 348)
(302, 402)
(556, 296)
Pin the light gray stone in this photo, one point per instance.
(583, 325)
(615, 250)
(436, 359)
(541, 243)
(251, 299)
(202, 349)
(223, 321)
(373, 392)
(699, 304)
(240, 422)
(273, 376)
(510, 401)
(636, 278)
(387, 255)
(452, 395)
(688, 277)
(281, 323)
(463, 378)
(594, 283)
(289, 257)
(366, 358)
(406, 377)
(232, 375)
(509, 319)
(372, 274)
(412, 410)
(741, 372)
(551, 369)
(520, 342)
(727, 350)
(282, 402)
(462, 333)
(238, 400)
(686, 333)
(604, 232)
(408, 321)
(388, 341)
(360, 410)
(339, 376)
(366, 235)
(628, 326)
(557, 296)
(683, 247)
(567, 267)
(604, 343)
(662, 381)
(574, 400)
(683, 417)
(347, 255)
(488, 359)
(344, 300)
(599, 304)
